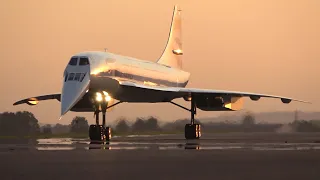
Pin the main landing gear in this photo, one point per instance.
(192, 130)
(99, 132)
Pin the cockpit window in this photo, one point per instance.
(83, 61)
(73, 61)
(71, 76)
(77, 77)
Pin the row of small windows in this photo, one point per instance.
(74, 77)
(82, 61)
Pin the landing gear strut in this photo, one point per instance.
(192, 130)
(99, 132)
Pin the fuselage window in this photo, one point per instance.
(73, 61)
(65, 77)
(83, 61)
(77, 77)
(82, 76)
(71, 76)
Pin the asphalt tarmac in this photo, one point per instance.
(216, 156)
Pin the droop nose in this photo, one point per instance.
(73, 90)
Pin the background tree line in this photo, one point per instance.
(24, 123)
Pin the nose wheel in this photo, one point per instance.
(99, 132)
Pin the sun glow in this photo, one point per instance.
(97, 71)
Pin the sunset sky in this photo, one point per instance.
(263, 46)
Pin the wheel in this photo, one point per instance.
(192, 131)
(108, 133)
(96, 133)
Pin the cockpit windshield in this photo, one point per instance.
(73, 61)
(83, 61)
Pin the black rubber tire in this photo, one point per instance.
(192, 131)
(108, 133)
(96, 133)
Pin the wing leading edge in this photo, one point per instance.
(36, 99)
(252, 96)
(183, 92)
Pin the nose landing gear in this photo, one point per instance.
(99, 132)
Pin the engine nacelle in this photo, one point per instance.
(219, 103)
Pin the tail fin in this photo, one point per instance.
(172, 55)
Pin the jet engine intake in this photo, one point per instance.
(219, 103)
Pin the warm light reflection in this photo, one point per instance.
(228, 106)
(33, 102)
(95, 72)
(235, 104)
(177, 51)
(99, 70)
(149, 83)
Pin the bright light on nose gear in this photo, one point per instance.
(108, 98)
(99, 97)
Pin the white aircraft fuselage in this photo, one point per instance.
(103, 72)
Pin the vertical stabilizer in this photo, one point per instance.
(172, 55)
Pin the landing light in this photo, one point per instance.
(99, 97)
(105, 93)
(108, 98)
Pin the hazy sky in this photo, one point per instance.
(264, 46)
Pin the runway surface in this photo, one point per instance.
(216, 156)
